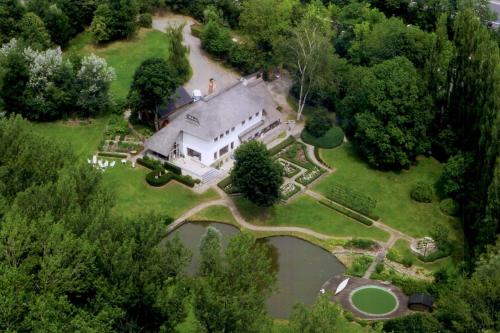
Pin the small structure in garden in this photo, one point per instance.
(424, 246)
(421, 302)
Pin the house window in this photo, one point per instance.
(221, 136)
(215, 140)
(232, 145)
(193, 153)
(215, 155)
(223, 150)
(257, 114)
(227, 132)
(243, 122)
(232, 129)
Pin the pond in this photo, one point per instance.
(302, 267)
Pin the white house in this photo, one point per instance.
(209, 129)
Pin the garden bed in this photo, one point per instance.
(310, 175)
(289, 170)
(296, 153)
(288, 190)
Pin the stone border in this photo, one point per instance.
(368, 286)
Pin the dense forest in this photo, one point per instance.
(403, 78)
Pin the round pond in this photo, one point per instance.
(301, 267)
(374, 300)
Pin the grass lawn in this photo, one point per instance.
(391, 190)
(124, 56)
(215, 213)
(402, 248)
(308, 213)
(82, 137)
(134, 196)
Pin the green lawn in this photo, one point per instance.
(134, 196)
(402, 248)
(83, 137)
(215, 213)
(308, 213)
(391, 190)
(125, 56)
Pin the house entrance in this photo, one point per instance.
(194, 153)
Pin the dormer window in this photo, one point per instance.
(250, 118)
(216, 138)
(243, 122)
(221, 136)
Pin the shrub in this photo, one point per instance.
(158, 178)
(331, 139)
(282, 145)
(171, 167)
(361, 243)
(318, 157)
(197, 30)
(186, 180)
(422, 192)
(379, 268)
(145, 20)
(359, 266)
(318, 123)
(449, 207)
(342, 210)
(116, 155)
(216, 39)
(356, 201)
(149, 163)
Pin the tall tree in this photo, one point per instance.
(11, 12)
(322, 316)
(33, 32)
(310, 49)
(256, 175)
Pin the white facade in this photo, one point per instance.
(221, 146)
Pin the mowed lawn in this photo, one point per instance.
(308, 213)
(83, 137)
(216, 214)
(391, 190)
(125, 56)
(134, 196)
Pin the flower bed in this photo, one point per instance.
(296, 153)
(310, 175)
(289, 170)
(288, 190)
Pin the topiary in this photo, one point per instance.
(422, 192)
(449, 207)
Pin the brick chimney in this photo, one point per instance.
(211, 86)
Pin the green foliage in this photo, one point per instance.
(115, 155)
(283, 144)
(172, 168)
(11, 12)
(158, 177)
(449, 207)
(452, 181)
(100, 29)
(149, 163)
(417, 323)
(297, 154)
(222, 302)
(333, 137)
(33, 32)
(178, 54)
(361, 243)
(322, 316)
(216, 39)
(356, 201)
(422, 192)
(359, 266)
(318, 123)
(145, 20)
(256, 175)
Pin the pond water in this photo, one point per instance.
(302, 267)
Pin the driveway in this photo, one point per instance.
(203, 67)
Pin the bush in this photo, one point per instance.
(318, 157)
(359, 266)
(283, 144)
(116, 155)
(197, 30)
(345, 196)
(158, 178)
(331, 139)
(361, 243)
(318, 123)
(379, 268)
(149, 163)
(145, 20)
(186, 180)
(342, 210)
(216, 39)
(173, 168)
(449, 207)
(422, 192)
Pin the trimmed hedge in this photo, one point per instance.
(342, 210)
(186, 180)
(361, 243)
(173, 168)
(359, 202)
(318, 157)
(283, 144)
(153, 179)
(149, 163)
(108, 154)
(331, 139)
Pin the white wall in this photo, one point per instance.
(208, 148)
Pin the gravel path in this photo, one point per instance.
(204, 68)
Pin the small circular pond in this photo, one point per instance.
(374, 300)
(301, 267)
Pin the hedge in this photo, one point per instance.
(108, 154)
(186, 180)
(359, 202)
(331, 139)
(347, 212)
(149, 163)
(283, 144)
(361, 243)
(318, 157)
(160, 181)
(171, 167)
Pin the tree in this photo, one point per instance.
(216, 39)
(231, 290)
(153, 84)
(14, 82)
(100, 28)
(322, 316)
(178, 53)
(33, 32)
(391, 125)
(318, 123)
(11, 12)
(58, 25)
(310, 50)
(124, 18)
(416, 323)
(256, 175)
